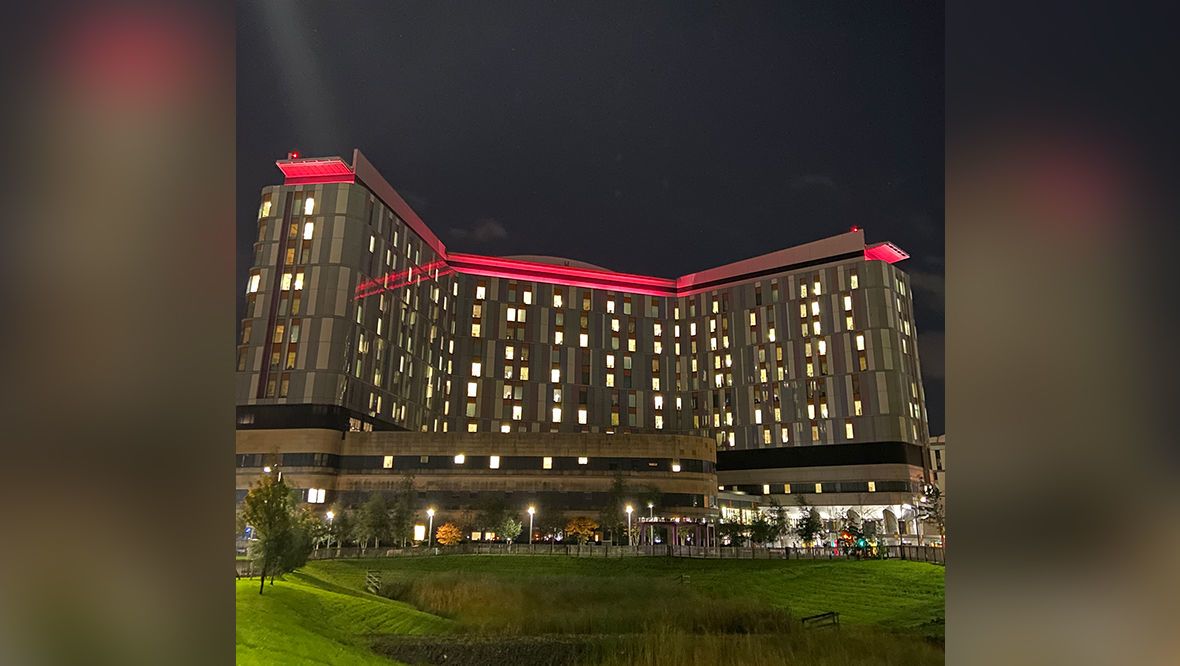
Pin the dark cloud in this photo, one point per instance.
(932, 354)
(930, 290)
(485, 230)
(813, 181)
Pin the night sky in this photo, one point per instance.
(659, 138)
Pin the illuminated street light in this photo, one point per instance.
(651, 528)
(629, 510)
(430, 533)
(266, 469)
(531, 512)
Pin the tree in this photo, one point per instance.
(492, 512)
(762, 529)
(810, 526)
(509, 529)
(448, 534)
(931, 510)
(373, 521)
(304, 527)
(581, 528)
(402, 521)
(268, 509)
(735, 530)
(780, 520)
(613, 517)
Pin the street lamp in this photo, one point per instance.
(430, 533)
(329, 516)
(651, 528)
(531, 512)
(629, 510)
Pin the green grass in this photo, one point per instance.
(306, 620)
(894, 594)
(728, 611)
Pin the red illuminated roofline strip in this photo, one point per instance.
(315, 170)
(887, 252)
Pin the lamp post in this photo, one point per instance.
(330, 515)
(430, 532)
(531, 512)
(651, 528)
(629, 510)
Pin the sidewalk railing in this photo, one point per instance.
(932, 554)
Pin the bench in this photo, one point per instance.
(829, 619)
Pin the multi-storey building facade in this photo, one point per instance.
(801, 365)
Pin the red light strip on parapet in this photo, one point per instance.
(391, 281)
(887, 252)
(312, 170)
(514, 269)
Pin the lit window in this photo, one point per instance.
(815, 328)
(315, 495)
(631, 344)
(372, 242)
(298, 281)
(770, 334)
(460, 458)
(659, 402)
(475, 330)
(784, 434)
(480, 292)
(860, 342)
(547, 463)
(557, 414)
(857, 407)
(387, 463)
(556, 300)
(692, 328)
(472, 389)
(555, 376)
(676, 467)
(583, 340)
(819, 488)
(787, 488)
(475, 368)
(558, 337)
(614, 324)
(504, 427)
(517, 412)
(528, 298)
(852, 281)
(610, 381)
(815, 307)
(511, 314)
(610, 308)
(308, 230)
(758, 416)
(494, 461)
(848, 430)
(810, 411)
(753, 318)
(847, 302)
(657, 329)
(253, 286)
(802, 290)
(509, 352)
(815, 288)
(582, 460)
(286, 282)
(803, 310)
(823, 410)
(823, 347)
(309, 206)
(766, 489)
(581, 416)
(265, 208)
(659, 421)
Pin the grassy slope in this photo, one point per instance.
(890, 593)
(307, 620)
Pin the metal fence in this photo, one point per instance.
(932, 554)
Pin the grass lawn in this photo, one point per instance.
(306, 620)
(894, 594)
(676, 611)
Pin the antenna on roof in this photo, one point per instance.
(293, 155)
